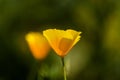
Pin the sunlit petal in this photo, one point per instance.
(62, 41)
(75, 35)
(37, 44)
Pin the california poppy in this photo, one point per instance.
(38, 44)
(62, 40)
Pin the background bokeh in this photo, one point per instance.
(95, 57)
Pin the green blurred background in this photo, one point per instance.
(95, 57)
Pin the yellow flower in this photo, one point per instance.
(38, 44)
(62, 41)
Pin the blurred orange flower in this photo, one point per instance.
(62, 41)
(37, 44)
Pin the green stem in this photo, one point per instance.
(64, 70)
(39, 76)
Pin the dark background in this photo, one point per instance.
(95, 57)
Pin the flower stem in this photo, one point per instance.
(64, 70)
(39, 76)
